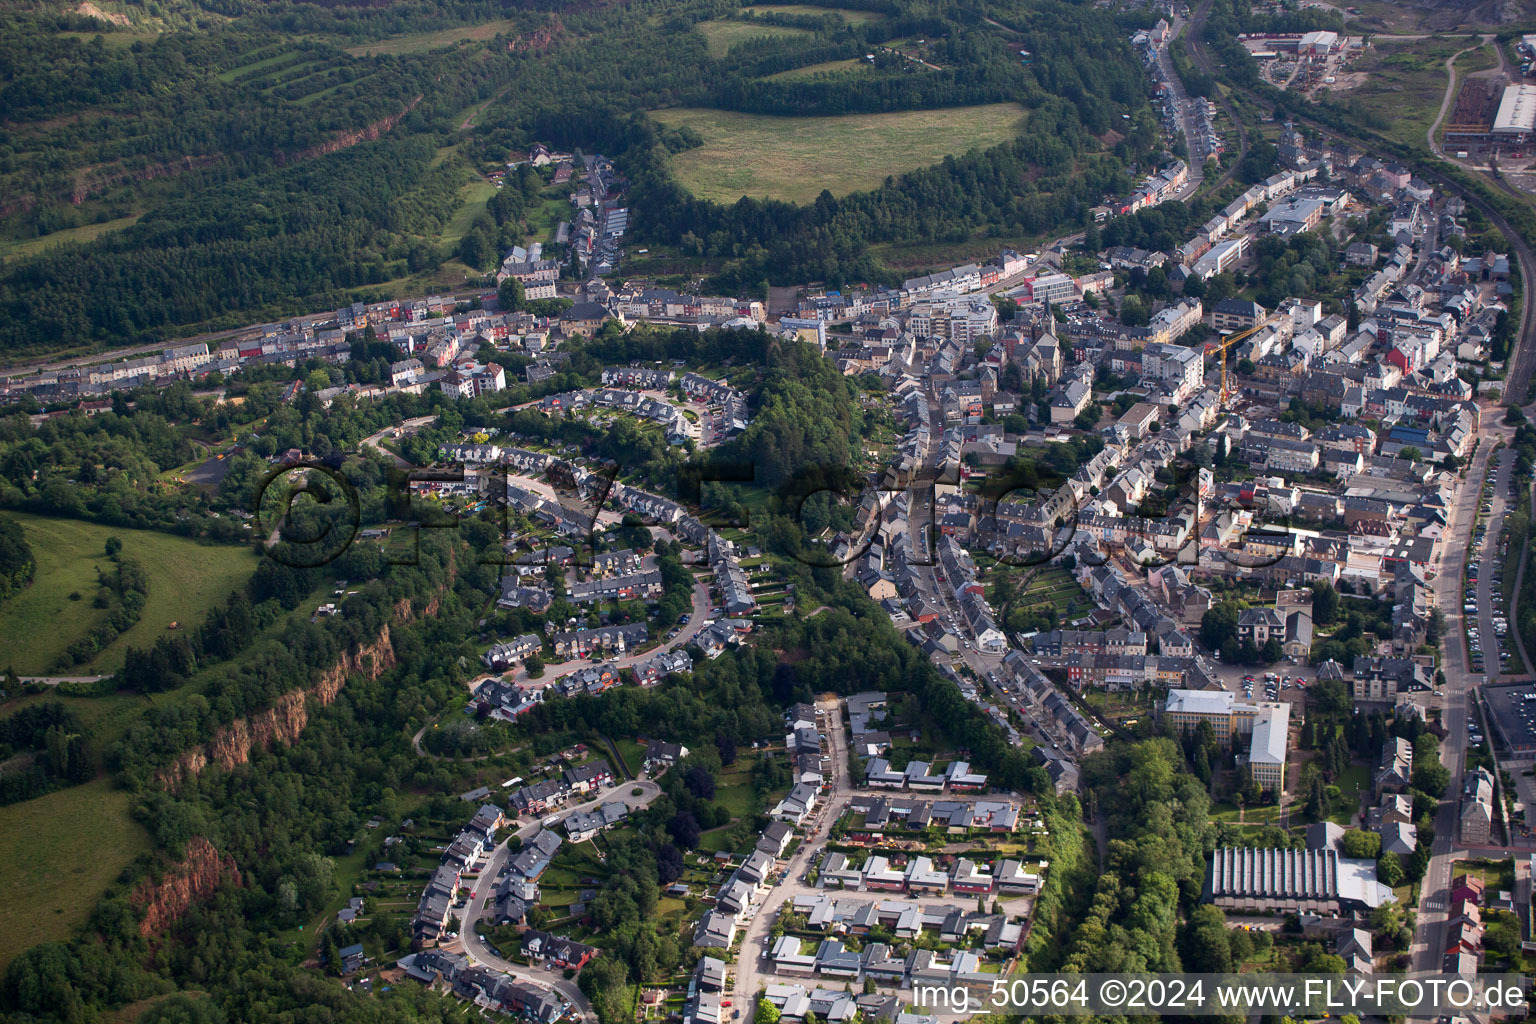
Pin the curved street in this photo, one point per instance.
(697, 616)
(375, 441)
(478, 950)
(1450, 96)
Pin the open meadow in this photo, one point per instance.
(831, 67)
(720, 36)
(21, 247)
(185, 579)
(420, 42)
(57, 853)
(848, 14)
(1401, 85)
(794, 158)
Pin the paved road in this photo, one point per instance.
(1198, 57)
(754, 939)
(1450, 95)
(1490, 601)
(1428, 945)
(605, 517)
(56, 680)
(1431, 920)
(696, 620)
(1194, 153)
(409, 426)
(485, 888)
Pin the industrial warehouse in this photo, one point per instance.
(1311, 881)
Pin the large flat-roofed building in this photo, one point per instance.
(1222, 256)
(1317, 44)
(1292, 216)
(1230, 717)
(1266, 756)
(1315, 881)
(1266, 726)
(1516, 118)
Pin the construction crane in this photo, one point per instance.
(1220, 348)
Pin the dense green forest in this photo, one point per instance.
(249, 164)
(17, 563)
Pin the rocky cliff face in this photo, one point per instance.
(192, 880)
(98, 180)
(541, 39)
(285, 720)
(349, 139)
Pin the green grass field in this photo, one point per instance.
(546, 217)
(277, 60)
(734, 790)
(794, 158)
(720, 36)
(17, 248)
(106, 717)
(848, 14)
(186, 578)
(421, 42)
(473, 195)
(633, 752)
(57, 854)
(831, 67)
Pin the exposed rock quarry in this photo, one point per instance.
(349, 139)
(190, 881)
(284, 721)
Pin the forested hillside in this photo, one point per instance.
(207, 163)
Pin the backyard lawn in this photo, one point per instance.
(733, 790)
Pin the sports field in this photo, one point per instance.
(794, 158)
(57, 854)
(185, 579)
(722, 35)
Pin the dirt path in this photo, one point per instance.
(1450, 94)
(469, 122)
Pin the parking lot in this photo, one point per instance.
(1512, 708)
(1487, 629)
(1249, 683)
